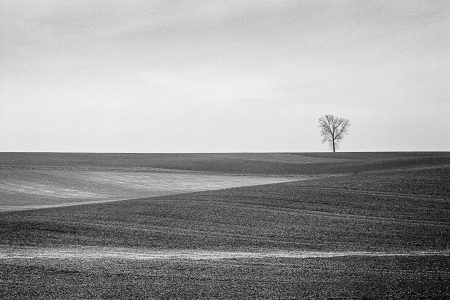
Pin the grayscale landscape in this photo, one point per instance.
(261, 226)
(225, 149)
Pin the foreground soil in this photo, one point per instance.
(389, 214)
(281, 278)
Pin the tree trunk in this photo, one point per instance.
(334, 148)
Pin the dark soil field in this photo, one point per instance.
(298, 226)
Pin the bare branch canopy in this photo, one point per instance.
(333, 129)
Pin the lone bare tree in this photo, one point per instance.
(333, 129)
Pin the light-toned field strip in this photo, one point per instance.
(34, 189)
(94, 253)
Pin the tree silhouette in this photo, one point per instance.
(333, 129)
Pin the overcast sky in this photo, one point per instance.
(221, 76)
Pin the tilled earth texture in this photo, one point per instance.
(225, 226)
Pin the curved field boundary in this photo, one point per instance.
(35, 189)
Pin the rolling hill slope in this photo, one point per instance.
(405, 210)
(384, 226)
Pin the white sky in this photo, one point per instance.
(219, 76)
